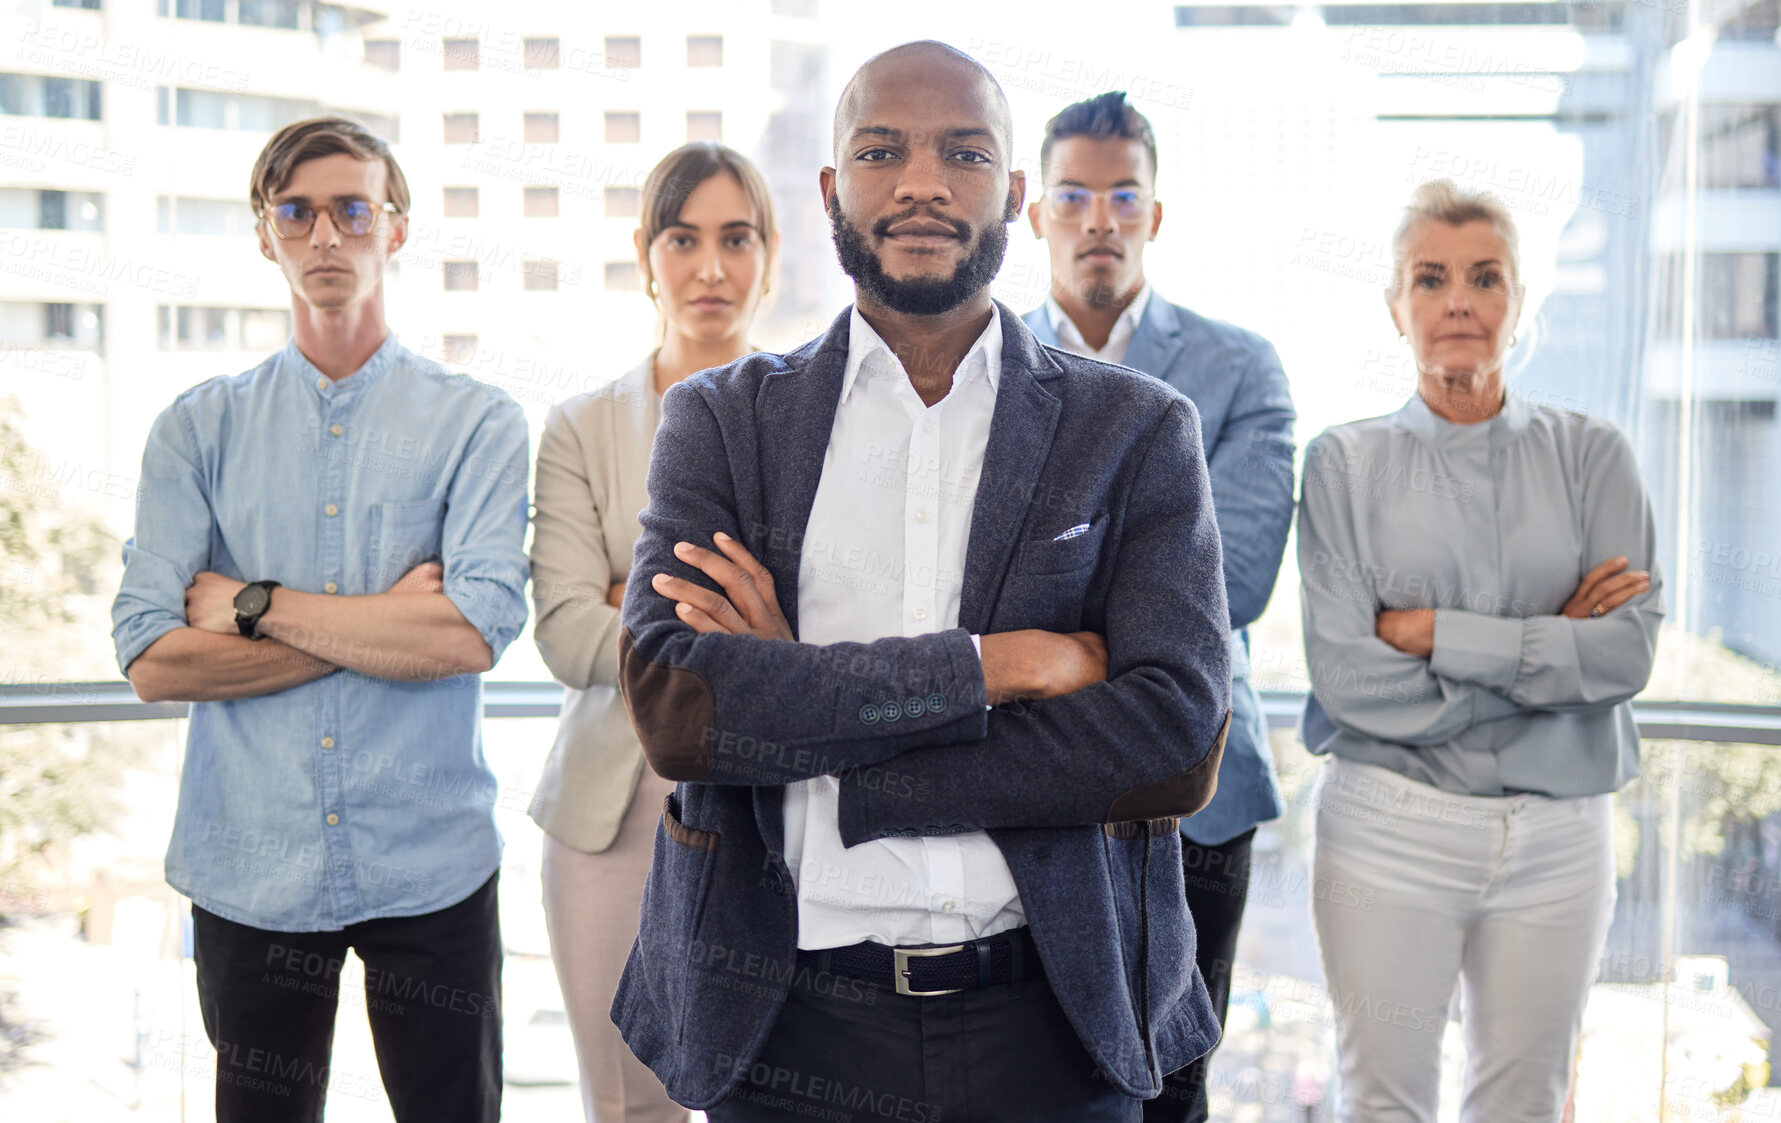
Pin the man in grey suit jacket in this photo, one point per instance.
(932, 746)
(1097, 212)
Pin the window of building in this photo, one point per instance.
(213, 10)
(58, 325)
(624, 128)
(89, 5)
(1740, 145)
(462, 54)
(385, 53)
(50, 209)
(203, 217)
(704, 50)
(462, 128)
(622, 276)
(460, 202)
(267, 13)
(34, 95)
(543, 54)
(1735, 296)
(460, 276)
(541, 128)
(540, 274)
(458, 350)
(213, 109)
(541, 202)
(622, 202)
(623, 52)
(210, 328)
(704, 126)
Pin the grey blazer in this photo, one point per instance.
(592, 463)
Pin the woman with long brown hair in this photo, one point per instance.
(705, 247)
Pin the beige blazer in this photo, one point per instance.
(592, 460)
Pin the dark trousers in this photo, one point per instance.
(845, 1050)
(432, 994)
(1217, 887)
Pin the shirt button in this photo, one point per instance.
(336, 430)
(921, 613)
(327, 742)
(333, 819)
(332, 510)
(921, 516)
(927, 425)
(321, 384)
(330, 587)
(946, 906)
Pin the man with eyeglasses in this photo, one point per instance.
(1097, 214)
(328, 552)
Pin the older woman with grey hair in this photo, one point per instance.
(1481, 601)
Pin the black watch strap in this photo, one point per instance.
(248, 623)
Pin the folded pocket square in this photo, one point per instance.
(1076, 531)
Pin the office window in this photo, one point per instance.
(74, 325)
(541, 202)
(622, 276)
(541, 128)
(1736, 296)
(704, 50)
(204, 217)
(212, 109)
(211, 328)
(1740, 146)
(89, 5)
(32, 95)
(267, 13)
(462, 54)
(212, 10)
(458, 350)
(624, 128)
(540, 275)
(460, 276)
(622, 202)
(704, 126)
(462, 128)
(385, 53)
(460, 202)
(543, 54)
(29, 209)
(623, 52)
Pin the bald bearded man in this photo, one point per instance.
(928, 622)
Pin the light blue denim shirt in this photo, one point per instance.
(351, 797)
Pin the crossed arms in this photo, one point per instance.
(1139, 741)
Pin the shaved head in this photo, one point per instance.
(907, 63)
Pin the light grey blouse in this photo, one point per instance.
(1492, 525)
(592, 462)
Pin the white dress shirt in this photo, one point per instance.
(884, 555)
(1070, 339)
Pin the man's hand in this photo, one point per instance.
(210, 603)
(748, 604)
(1410, 630)
(615, 596)
(1601, 591)
(1038, 664)
(427, 577)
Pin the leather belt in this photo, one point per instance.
(925, 972)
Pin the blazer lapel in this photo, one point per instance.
(1157, 341)
(795, 416)
(1020, 434)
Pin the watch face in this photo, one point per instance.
(251, 601)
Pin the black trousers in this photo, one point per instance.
(432, 994)
(1217, 888)
(848, 1051)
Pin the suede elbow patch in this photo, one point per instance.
(1182, 794)
(673, 711)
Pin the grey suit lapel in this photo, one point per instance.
(796, 415)
(1020, 434)
(1158, 340)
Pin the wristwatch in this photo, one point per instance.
(251, 603)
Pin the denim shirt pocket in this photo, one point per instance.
(403, 535)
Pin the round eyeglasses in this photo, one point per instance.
(352, 217)
(1068, 203)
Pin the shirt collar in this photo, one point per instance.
(863, 343)
(293, 359)
(1128, 320)
(1509, 422)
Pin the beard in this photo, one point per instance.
(918, 296)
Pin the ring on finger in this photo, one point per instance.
(1598, 610)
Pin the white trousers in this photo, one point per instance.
(1415, 889)
(591, 906)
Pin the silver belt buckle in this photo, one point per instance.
(900, 958)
